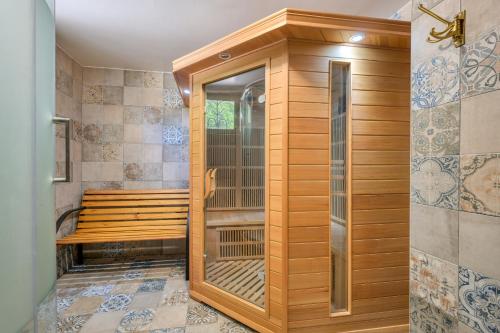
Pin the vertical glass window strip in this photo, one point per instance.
(340, 88)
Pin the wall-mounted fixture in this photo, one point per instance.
(357, 37)
(454, 29)
(224, 55)
(67, 122)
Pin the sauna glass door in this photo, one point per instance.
(235, 185)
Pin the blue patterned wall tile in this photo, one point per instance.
(434, 181)
(418, 182)
(172, 98)
(420, 123)
(172, 135)
(480, 66)
(479, 301)
(435, 82)
(436, 131)
(479, 184)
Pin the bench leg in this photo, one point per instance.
(187, 258)
(79, 254)
(187, 249)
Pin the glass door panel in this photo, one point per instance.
(235, 185)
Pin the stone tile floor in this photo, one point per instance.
(151, 299)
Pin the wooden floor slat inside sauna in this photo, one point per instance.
(239, 277)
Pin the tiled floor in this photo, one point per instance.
(135, 298)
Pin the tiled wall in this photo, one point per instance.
(455, 180)
(134, 130)
(129, 131)
(135, 136)
(68, 104)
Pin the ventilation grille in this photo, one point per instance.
(240, 242)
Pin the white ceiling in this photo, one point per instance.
(149, 34)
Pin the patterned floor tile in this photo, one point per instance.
(71, 324)
(146, 300)
(200, 314)
(103, 322)
(84, 305)
(170, 317)
(479, 301)
(133, 275)
(62, 303)
(169, 330)
(136, 320)
(227, 325)
(68, 292)
(154, 301)
(98, 290)
(116, 303)
(126, 288)
(176, 297)
(152, 285)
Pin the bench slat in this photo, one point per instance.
(134, 217)
(136, 203)
(135, 210)
(138, 229)
(110, 235)
(90, 225)
(152, 191)
(118, 238)
(97, 197)
(104, 234)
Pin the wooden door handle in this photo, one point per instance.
(213, 183)
(208, 184)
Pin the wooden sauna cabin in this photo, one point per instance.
(299, 173)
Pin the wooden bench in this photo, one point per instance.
(129, 215)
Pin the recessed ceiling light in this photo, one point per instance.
(357, 37)
(225, 55)
(186, 91)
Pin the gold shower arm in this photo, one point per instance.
(454, 29)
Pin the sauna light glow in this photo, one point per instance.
(357, 37)
(186, 91)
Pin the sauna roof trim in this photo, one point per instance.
(293, 24)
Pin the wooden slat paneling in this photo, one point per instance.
(380, 184)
